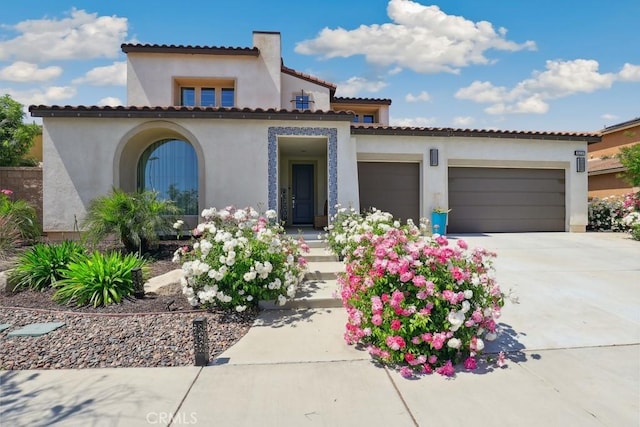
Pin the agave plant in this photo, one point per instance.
(41, 265)
(138, 219)
(99, 279)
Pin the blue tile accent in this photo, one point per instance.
(332, 153)
(4, 326)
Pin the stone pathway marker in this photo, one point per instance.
(36, 329)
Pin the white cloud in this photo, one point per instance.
(413, 122)
(81, 35)
(110, 75)
(422, 38)
(630, 73)
(609, 117)
(110, 101)
(560, 79)
(356, 85)
(46, 96)
(463, 121)
(422, 96)
(21, 71)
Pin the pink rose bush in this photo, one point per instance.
(418, 303)
(240, 257)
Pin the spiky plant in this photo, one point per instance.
(138, 219)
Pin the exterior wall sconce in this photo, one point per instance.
(201, 341)
(433, 157)
(580, 164)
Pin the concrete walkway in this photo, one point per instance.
(573, 344)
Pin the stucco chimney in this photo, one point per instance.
(269, 44)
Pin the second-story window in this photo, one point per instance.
(188, 96)
(302, 101)
(192, 92)
(367, 118)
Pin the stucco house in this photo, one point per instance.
(604, 168)
(217, 126)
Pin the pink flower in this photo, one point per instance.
(6, 192)
(470, 363)
(395, 324)
(376, 319)
(419, 281)
(447, 369)
(406, 372)
(501, 359)
(395, 342)
(462, 244)
(432, 359)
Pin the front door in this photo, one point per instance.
(302, 194)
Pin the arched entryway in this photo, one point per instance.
(170, 168)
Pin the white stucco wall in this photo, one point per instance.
(292, 86)
(86, 157)
(482, 152)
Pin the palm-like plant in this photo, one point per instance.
(138, 219)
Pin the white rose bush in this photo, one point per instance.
(416, 302)
(240, 257)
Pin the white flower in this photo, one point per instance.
(468, 294)
(281, 300)
(456, 318)
(479, 345)
(241, 308)
(271, 214)
(465, 306)
(454, 343)
(178, 224)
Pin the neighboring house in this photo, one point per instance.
(218, 126)
(604, 166)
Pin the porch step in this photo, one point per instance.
(323, 270)
(320, 254)
(310, 294)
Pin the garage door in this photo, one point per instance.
(506, 200)
(390, 187)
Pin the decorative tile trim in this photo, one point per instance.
(332, 157)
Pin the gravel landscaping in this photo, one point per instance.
(149, 332)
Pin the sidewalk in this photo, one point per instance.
(573, 343)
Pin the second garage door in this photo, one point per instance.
(506, 200)
(391, 187)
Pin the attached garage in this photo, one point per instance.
(391, 187)
(506, 200)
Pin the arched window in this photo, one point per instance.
(170, 167)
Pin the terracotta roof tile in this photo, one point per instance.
(307, 77)
(375, 129)
(187, 49)
(345, 100)
(183, 112)
(603, 165)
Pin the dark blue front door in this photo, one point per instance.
(302, 194)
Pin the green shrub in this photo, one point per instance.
(40, 266)
(9, 236)
(138, 219)
(23, 214)
(99, 279)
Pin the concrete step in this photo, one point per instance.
(311, 294)
(315, 243)
(319, 255)
(323, 270)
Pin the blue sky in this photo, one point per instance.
(484, 64)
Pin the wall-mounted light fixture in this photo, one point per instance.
(581, 164)
(433, 157)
